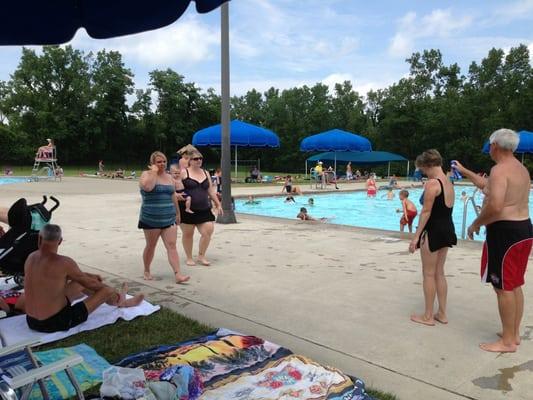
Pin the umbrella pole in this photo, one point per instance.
(235, 163)
(335, 162)
(407, 169)
(388, 170)
(306, 169)
(228, 217)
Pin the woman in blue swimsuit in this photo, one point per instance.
(159, 214)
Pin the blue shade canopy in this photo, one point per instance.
(242, 134)
(335, 140)
(358, 157)
(42, 22)
(524, 146)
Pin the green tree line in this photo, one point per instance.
(89, 105)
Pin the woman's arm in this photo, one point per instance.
(430, 192)
(213, 194)
(178, 212)
(148, 179)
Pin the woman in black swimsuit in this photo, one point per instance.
(434, 235)
(199, 187)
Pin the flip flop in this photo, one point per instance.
(420, 320)
(439, 320)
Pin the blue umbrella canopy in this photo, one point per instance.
(335, 140)
(243, 134)
(524, 146)
(361, 157)
(41, 22)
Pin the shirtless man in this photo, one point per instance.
(505, 213)
(53, 281)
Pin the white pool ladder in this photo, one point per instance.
(469, 200)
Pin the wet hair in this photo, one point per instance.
(404, 192)
(156, 154)
(429, 158)
(303, 210)
(505, 138)
(50, 233)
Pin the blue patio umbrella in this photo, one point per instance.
(41, 22)
(243, 134)
(335, 140)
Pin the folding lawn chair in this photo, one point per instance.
(20, 371)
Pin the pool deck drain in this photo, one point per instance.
(340, 295)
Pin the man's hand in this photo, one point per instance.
(459, 167)
(471, 230)
(94, 276)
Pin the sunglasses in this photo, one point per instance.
(197, 158)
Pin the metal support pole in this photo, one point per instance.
(236, 172)
(229, 216)
(388, 170)
(407, 169)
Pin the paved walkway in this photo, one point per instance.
(340, 295)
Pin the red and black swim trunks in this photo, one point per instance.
(505, 253)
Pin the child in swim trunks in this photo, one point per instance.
(180, 188)
(408, 211)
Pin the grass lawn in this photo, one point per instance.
(114, 342)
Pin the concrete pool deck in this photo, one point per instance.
(340, 295)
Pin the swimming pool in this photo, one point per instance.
(9, 179)
(356, 209)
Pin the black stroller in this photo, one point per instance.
(21, 239)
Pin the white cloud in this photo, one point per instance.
(437, 24)
(187, 42)
(512, 11)
(334, 78)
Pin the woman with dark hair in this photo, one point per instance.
(199, 187)
(159, 214)
(434, 235)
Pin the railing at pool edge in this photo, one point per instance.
(469, 199)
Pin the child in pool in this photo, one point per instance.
(408, 211)
(180, 189)
(252, 201)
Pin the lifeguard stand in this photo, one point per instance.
(46, 167)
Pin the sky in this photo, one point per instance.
(287, 43)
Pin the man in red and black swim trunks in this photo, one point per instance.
(505, 213)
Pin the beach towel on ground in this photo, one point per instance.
(88, 374)
(289, 377)
(214, 356)
(15, 329)
(236, 366)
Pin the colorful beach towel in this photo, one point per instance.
(88, 374)
(236, 366)
(290, 377)
(213, 356)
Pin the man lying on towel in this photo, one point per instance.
(52, 282)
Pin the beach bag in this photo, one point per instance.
(125, 383)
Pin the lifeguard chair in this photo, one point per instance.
(45, 163)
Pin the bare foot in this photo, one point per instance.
(517, 341)
(148, 276)
(181, 278)
(189, 211)
(498, 347)
(204, 261)
(190, 262)
(420, 319)
(440, 318)
(132, 301)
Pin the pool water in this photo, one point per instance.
(8, 180)
(356, 209)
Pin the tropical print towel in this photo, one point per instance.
(235, 366)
